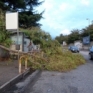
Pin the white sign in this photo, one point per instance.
(12, 21)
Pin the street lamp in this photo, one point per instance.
(88, 24)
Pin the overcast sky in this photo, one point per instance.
(62, 16)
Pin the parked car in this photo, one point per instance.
(73, 49)
(91, 52)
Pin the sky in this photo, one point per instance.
(63, 16)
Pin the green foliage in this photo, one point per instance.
(56, 60)
(54, 57)
(5, 38)
(38, 36)
(62, 38)
(64, 61)
(27, 19)
(88, 31)
(12, 5)
(2, 18)
(4, 35)
(76, 35)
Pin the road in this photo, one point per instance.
(79, 80)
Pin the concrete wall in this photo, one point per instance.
(13, 47)
(4, 53)
(78, 44)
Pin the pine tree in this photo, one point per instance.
(27, 15)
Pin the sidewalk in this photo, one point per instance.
(8, 70)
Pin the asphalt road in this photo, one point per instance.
(79, 80)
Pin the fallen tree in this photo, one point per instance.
(53, 59)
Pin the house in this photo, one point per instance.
(22, 40)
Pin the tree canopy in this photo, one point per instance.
(76, 34)
(28, 17)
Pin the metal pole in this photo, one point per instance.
(18, 45)
(89, 29)
(88, 24)
(18, 42)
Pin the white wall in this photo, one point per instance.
(78, 44)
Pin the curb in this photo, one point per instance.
(21, 86)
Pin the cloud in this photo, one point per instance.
(64, 6)
(47, 5)
(65, 31)
(85, 2)
(62, 16)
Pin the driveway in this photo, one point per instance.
(79, 80)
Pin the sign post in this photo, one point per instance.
(12, 24)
